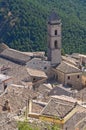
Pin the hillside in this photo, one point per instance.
(23, 23)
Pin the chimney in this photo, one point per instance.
(30, 106)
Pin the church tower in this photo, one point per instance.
(54, 39)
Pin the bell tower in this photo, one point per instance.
(54, 39)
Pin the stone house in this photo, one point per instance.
(37, 77)
(76, 56)
(83, 59)
(64, 71)
(80, 57)
(66, 112)
(70, 60)
(44, 90)
(68, 75)
(39, 64)
(4, 82)
(15, 56)
(60, 90)
(61, 110)
(58, 107)
(77, 121)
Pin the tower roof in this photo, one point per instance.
(53, 17)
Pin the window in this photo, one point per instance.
(68, 77)
(45, 67)
(69, 85)
(78, 76)
(56, 44)
(55, 32)
(5, 86)
(34, 79)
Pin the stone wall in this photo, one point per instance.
(37, 63)
(60, 77)
(5, 84)
(56, 54)
(74, 79)
(52, 28)
(72, 123)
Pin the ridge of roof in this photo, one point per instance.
(58, 108)
(37, 73)
(66, 67)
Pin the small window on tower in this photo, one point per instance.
(55, 32)
(56, 44)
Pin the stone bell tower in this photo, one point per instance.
(54, 39)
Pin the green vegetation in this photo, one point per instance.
(23, 24)
(23, 126)
(27, 126)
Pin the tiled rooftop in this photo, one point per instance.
(4, 77)
(67, 68)
(58, 108)
(17, 97)
(3, 47)
(6, 123)
(36, 73)
(18, 72)
(15, 55)
(53, 17)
